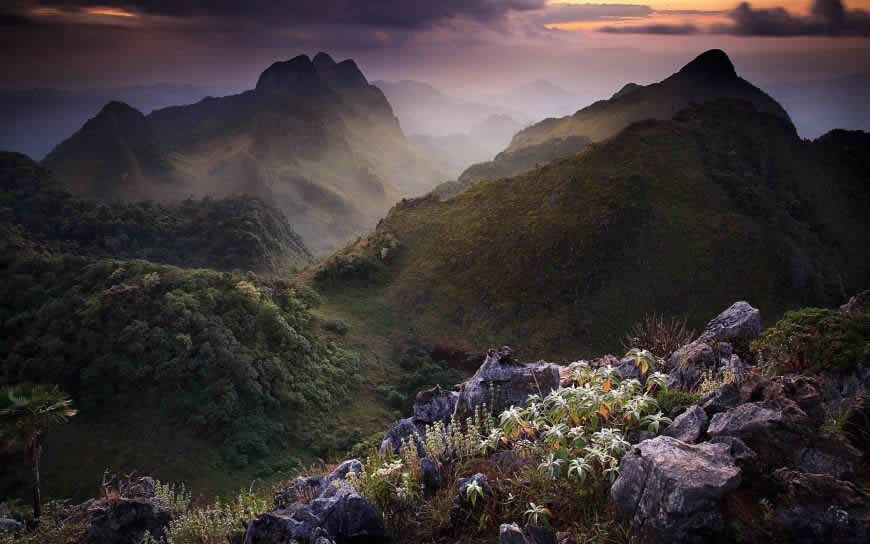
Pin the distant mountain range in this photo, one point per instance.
(721, 201)
(313, 138)
(35, 120)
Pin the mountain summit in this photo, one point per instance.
(313, 138)
(711, 75)
(714, 61)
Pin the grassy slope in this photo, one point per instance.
(681, 216)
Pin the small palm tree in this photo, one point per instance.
(25, 411)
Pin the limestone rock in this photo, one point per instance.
(689, 426)
(673, 489)
(504, 383)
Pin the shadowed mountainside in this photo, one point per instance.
(313, 138)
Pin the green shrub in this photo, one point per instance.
(668, 399)
(813, 340)
(337, 326)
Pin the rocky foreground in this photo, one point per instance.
(756, 447)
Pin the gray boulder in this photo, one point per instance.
(687, 365)
(302, 489)
(346, 467)
(339, 514)
(434, 404)
(500, 382)
(126, 521)
(765, 428)
(513, 534)
(689, 426)
(674, 489)
(430, 406)
(814, 508)
(306, 489)
(739, 323)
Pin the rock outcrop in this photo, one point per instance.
(689, 426)
(337, 513)
(673, 488)
(738, 324)
(501, 382)
(431, 406)
(127, 521)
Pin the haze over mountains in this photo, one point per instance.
(186, 315)
(313, 138)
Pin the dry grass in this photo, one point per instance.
(662, 336)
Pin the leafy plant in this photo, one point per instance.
(26, 410)
(537, 515)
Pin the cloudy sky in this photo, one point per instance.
(468, 47)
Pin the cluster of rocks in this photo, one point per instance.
(499, 383)
(753, 437)
(320, 510)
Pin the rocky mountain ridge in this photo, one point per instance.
(313, 138)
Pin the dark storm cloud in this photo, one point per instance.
(568, 13)
(382, 13)
(668, 30)
(826, 18)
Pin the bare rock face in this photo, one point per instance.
(819, 508)
(502, 382)
(689, 426)
(673, 489)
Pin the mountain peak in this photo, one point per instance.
(714, 61)
(287, 75)
(323, 60)
(626, 89)
(117, 108)
(347, 74)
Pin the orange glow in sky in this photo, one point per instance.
(794, 6)
(112, 12)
